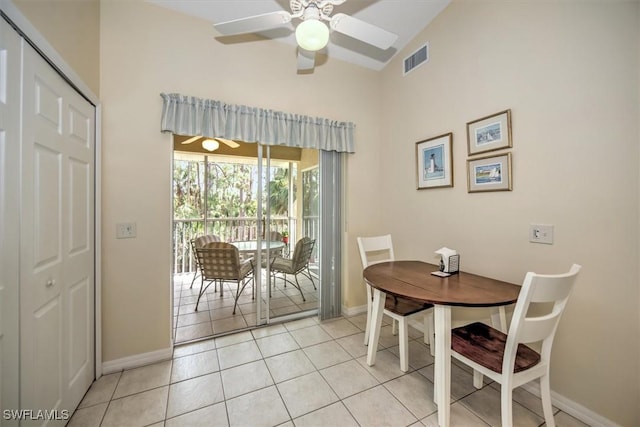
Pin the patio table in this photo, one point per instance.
(252, 245)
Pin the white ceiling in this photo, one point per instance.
(406, 18)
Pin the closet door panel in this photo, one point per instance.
(42, 259)
(79, 133)
(47, 206)
(80, 198)
(9, 218)
(48, 339)
(79, 333)
(57, 277)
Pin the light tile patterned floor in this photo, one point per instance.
(215, 310)
(300, 373)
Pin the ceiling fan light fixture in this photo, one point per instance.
(312, 35)
(210, 144)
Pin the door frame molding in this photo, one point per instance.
(12, 14)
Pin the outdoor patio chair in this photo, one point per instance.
(220, 261)
(273, 236)
(276, 236)
(298, 264)
(504, 357)
(199, 242)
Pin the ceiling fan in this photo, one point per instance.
(211, 144)
(311, 34)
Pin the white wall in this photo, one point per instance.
(73, 29)
(569, 73)
(147, 50)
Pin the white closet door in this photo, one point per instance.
(9, 218)
(57, 240)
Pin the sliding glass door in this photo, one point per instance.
(288, 278)
(264, 201)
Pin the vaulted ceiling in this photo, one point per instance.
(405, 18)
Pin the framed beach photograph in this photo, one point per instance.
(490, 173)
(489, 133)
(434, 162)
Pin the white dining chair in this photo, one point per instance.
(505, 358)
(378, 249)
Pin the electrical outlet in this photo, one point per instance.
(541, 233)
(126, 230)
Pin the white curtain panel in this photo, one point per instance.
(188, 115)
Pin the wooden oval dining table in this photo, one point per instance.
(413, 280)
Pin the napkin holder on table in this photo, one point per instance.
(449, 260)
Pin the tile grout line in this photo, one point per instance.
(334, 340)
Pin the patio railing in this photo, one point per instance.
(230, 230)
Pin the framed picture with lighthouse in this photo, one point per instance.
(434, 162)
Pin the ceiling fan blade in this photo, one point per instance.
(323, 3)
(306, 59)
(362, 31)
(254, 24)
(228, 142)
(192, 139)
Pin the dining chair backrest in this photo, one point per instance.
(377, 249)
(374, 250)
(302, 252)
(219, 260)
(535, 327)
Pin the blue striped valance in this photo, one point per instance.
(187, 115)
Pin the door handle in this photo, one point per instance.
(50, 283)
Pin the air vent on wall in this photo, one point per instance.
(416, 59)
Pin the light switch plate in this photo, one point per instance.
(541, 233)
(126, 230)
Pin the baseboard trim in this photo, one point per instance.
(572, 408)
(354, 310)
(137, 360)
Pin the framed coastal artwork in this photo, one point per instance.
(490, 173)
(434, 163)
(489, 133)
